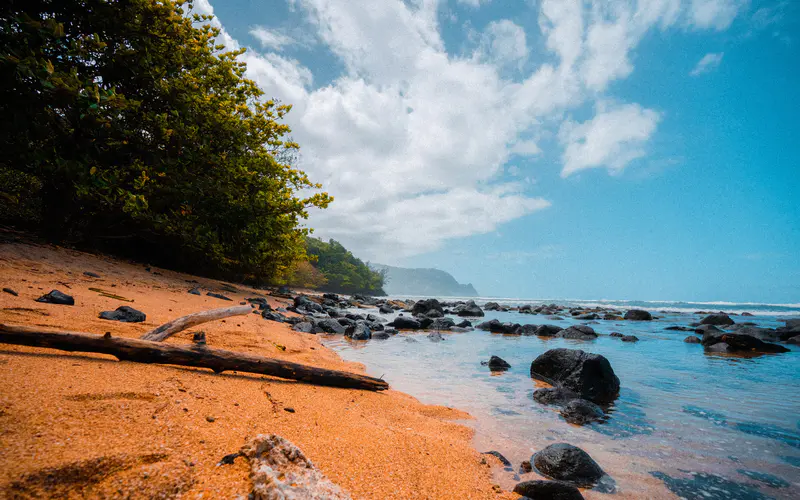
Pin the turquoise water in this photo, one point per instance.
(712, 426)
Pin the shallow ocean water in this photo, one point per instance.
(686, 422)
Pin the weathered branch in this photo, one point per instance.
(167, 330)
(145, 351)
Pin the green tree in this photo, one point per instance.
(124, 123)
(345, 273)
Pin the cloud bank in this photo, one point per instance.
(413, 141)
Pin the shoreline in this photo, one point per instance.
(130, 429)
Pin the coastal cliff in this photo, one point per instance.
(428, 282)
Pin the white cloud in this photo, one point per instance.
(504, 44)
(612, 139)
(413, 141)
(716, 14)
(271, 39)
(707, 63)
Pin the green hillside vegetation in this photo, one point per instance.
(127, 128)
(340, 271)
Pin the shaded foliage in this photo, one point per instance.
(124, 125)
(344, 272)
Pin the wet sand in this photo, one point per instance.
(78, 425)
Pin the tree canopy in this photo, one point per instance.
(343, 272)
(125, 124)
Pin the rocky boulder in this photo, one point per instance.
(470, 309)
(405, 323)
(578, 332)
(556, 396)
(331, 326)
(581, 412)
(57, 297)
(496, 364)
(589, 375)
(125, 314)
(736, 343)
(384, 309)
(691, 339)
(359, 332)
(304, 305)
(548, 330)
(547, 490)
(495, 326)
(568, 463)
(638, 315)
(427, 306)
(491, 306)
(717, 319)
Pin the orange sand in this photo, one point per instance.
(76, 425)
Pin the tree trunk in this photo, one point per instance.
(145, 351)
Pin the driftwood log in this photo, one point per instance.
(167, 330)
(219, 360)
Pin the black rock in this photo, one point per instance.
(569, 463)
(304, 327)
(680, 328)
(405, 323)
(733, 342)
(384, 309)
(10, 291)
(525, 467)
(497, 364)
(638, 315)
(195, 290)
(442, 324)
(331, 326)
(616, 334)
(470, 309)
(794, 340)
(218, 296)
(273, 316)
(305, 305)
(284, 290)
(360, 332)
(503, 460)
(464, 324)
(56, 297)
(425, 307)
(630, 338)
(126, 314)
(435, 337)
(382, 335)
(691, 339)
(578, 332)
(717, 319)
(765, 334)
(581, 412)
(590, 375)
(548, 490)
(91, 274)
(528, 330)
(491, 306)
(707, 329)
(587, 316)
(554, 396)
(330, 296)
(548, 330)
(495, 326)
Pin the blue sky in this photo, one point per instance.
(558, 149)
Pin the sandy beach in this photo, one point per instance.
(78, 425)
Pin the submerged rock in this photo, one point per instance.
(195, 291)
(470, 309)
(359, 332)
(405, 323)
(691, 339)
(548, 490)
(733, 342)
(629, 338)
(126, 314)
(582, 412)
(279, 470)
(548, 330)
(569, 463)
(495, 326)
(427, 306)
(638, 315)
(496, 364)
(57, 297)
(590, 375)
(578, 332)
(717, 319)
(554, 396)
